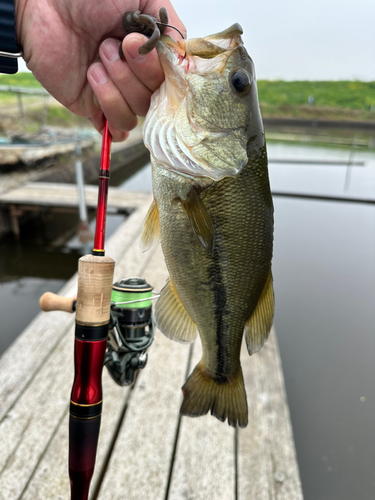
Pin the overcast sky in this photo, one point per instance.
(294, 39)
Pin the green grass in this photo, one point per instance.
(341, 94)
(20, 80)
(341, 100)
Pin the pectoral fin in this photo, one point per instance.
(172, 318)
(200, 220)
(151, 229)
(259, 324)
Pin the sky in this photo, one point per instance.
(293, 39)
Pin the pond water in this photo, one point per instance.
(324, 271)
(324, 278)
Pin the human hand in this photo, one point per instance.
(71, 46)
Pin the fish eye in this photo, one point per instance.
(240, 80)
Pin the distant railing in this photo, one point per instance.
(30, 91)
(23, 90)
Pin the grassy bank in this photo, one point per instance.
(341, 100)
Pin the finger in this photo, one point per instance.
(88, 106)
(135, 93)
(110, 99)
(117, 135)
(147, 67)
(98, 120)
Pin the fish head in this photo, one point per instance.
(205, 118)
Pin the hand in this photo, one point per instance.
(71, 46)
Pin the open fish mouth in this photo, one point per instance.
(199, 55)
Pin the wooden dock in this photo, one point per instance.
(146, 450)
(28, 153)
(60, 197)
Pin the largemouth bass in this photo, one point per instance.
(213, 209)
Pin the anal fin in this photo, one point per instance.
(258, 326)
(172, 318)
(200, 220)
(151, 230)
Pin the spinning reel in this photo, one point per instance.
(131, 329)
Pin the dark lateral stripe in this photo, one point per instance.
(85, 411)
(91, 332)
(220, 299)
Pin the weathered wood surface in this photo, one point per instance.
(51, 194)
(146, 450)
(30, 153)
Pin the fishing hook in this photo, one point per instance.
(173, 27)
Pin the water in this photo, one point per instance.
(34, 265)
(324, 275)
(324, 272)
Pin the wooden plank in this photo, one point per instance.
(33, 429)
(140, 462)
(31, 349)
(29, 153)
(267, 466)
(204, 465)
(28, 428)
(55, 194)
(34, 406)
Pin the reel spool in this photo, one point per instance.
(131, 329)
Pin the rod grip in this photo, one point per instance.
(51, 302)
(95, 278)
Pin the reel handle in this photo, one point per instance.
(51, 302)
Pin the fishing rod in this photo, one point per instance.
(114, 328)
(93, 306)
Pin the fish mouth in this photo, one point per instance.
(209, 46)
(198, 54)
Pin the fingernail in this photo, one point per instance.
(110, 50)
(132, 47)
(99, 73)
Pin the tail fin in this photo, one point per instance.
(226, 400)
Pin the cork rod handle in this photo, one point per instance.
(51, 302)
(95, 277)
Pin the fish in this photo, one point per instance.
(213, 213)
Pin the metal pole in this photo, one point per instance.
(80, 185)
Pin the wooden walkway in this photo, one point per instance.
(146, 450)
(60, 197)
(37, 195)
